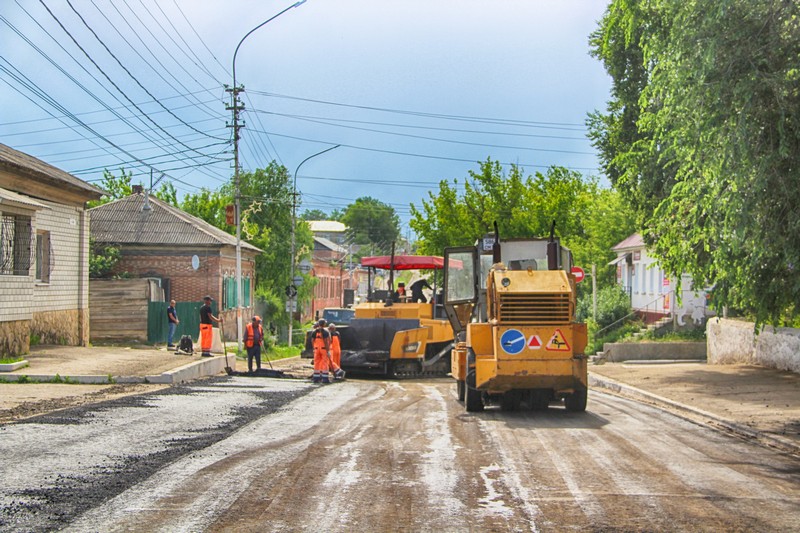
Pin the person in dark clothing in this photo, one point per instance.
(400, 293)
(172, 323)
(416, 290)
(206, 331)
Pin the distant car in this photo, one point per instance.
(341, 316)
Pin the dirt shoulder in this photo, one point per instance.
(763, 399)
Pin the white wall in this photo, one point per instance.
(68, 286)
(733, 341)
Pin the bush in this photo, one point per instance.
(613, 303)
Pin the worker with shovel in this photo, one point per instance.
(253, 336)
(321, 340)
(206, 325)
(336, 353)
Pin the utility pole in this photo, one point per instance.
(236, 107)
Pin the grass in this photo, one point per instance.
(10, 360)
(688, 335)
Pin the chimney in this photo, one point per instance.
(137, 189)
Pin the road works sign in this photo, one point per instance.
(558, 343)
(578, 273)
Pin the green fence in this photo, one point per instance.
(188, 314)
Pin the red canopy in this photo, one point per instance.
(404, 262)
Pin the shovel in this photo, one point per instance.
(228, 369)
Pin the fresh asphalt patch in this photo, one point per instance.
(98, 451)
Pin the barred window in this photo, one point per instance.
(15, 244)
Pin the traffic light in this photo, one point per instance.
(230, 214)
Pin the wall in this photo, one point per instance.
(637, 351)
(119, 309)
(734, 341)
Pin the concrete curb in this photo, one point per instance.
(694, 414)
(207, 366)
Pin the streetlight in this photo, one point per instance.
(294, 223)
(236, 107)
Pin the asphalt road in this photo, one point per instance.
(249, 454)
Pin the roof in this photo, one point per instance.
(14, 198)
(326, 225)
(632, 242)
(23, 163)
(330, 245)
(403, 262)
(124, 222)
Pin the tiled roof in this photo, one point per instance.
(633, 241)
(25, 164)
(124, 222)
(326, 226)
(11, 197)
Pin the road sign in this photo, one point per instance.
(291, 306)
(304, 266)
(535, 342)
(291, 291)
(512, 341)
(558, 343)
(578, 273)
(297, 281)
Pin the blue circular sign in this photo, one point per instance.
(512, 341)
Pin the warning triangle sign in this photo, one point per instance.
(534, 343)
(558, 343)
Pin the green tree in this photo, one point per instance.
(167, 193)
(589, 220)
(314, 214)
(116, 187)
(713, 142)
(210, 206)
(373, 224)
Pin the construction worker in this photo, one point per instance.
(253, 335)
(336, 353)
(416, 290)
(207, 320)
(321, 340)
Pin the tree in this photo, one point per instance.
(713, 141)
(589, 220)
(116, 187)
(314, 214)
(373, 224)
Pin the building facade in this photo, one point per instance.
(44, 254)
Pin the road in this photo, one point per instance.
(249, 454)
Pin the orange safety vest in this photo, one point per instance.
(319, 338)
(249, 338)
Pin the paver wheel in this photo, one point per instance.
(473, 400)
(511, 400)
(576, 401)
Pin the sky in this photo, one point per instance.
(414, 92)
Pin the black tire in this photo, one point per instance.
(540, 399)
(576, 402)
(461, 389)
(510, 400)
(473, 400)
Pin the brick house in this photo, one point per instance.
(190, 257)
(44, 254)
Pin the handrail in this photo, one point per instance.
(646, 307)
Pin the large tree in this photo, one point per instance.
(702, 135)
(372, 224)
(589, 219)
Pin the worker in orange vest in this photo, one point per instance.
(321, 340)
(206, 325)
(253, 335)
(336, 353)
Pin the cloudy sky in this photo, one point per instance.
(414, 91)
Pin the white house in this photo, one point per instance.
(651, 291)
(44, 254)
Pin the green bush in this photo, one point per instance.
(613, 303)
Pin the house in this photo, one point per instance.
(187, 256)
(332, 230)
(651, 291)
(44, 254)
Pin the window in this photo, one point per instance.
(43, 256)
(15, 245)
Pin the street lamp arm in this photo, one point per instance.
(311, 157)
(296, 4)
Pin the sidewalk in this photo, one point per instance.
(754, 402)
(64, 376)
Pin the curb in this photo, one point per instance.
(205, 367)
(694, 414)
